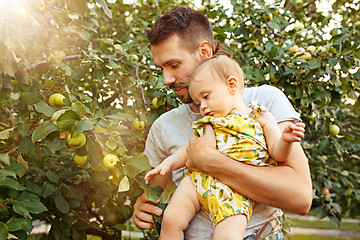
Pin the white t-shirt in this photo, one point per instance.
(173, 130)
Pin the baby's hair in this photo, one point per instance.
(221, 66)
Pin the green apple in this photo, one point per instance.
(303, 55)
(110, 160)
(294, 49)
(138, 125)
(311, 49)
(56, 100)
(78, 140)
(81, 160)
(334, 129)
(267, 17)
(38, 5)
(212, 4)
(274, 79)
(299, 26)
(250, 28)
(299, 3)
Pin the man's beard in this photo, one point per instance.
(185, 98)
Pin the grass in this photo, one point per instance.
(316, 237)
(323, 224)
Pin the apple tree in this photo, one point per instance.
(79, 92)
(313, 56)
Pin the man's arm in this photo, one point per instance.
(287, 186)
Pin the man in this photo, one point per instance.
(179, 40)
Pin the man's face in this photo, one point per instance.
(177, 64)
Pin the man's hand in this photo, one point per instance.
(143, 210)
(198, 147)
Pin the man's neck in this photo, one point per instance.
(195, 108)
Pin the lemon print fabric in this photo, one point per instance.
(242, 139)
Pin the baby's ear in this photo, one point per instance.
(233, 84)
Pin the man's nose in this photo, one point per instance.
(168, 78)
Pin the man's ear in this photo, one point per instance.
(233, 84)
(204, 50)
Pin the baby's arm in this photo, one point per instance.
(171, 163)
(280, 143)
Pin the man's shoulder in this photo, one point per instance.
(175, 113)
(261, 89)
(263, 94)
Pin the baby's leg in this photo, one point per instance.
(231, 228)
(183, 206)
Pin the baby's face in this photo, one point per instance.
(211, 94)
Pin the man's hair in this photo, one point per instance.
(191, 26)
(221, 66)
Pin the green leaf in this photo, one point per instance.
(5, 134)
(168, 192)
(4, 231)
(21, 209)
(30, 97)
(153, 192)
(105, 8)
(77, 6)
(111, 144)
(324, 145)
(20, 224)
(43, 130)
(4, 158)
(313, 63)
(44, 108)
(32, 187)
(61, 204)
(47, 189)
(7, 173)
(25, 145)
(57, 144)
(85, 125)
(24, 129)
(113, 65)
(79, 108)
(98, 74)
(124, 184)
(67, 120)
(11, 183)
(32, 202)
(80, 71)
(136, 164)
(53, 177)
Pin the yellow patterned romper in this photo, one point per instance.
(242, 139)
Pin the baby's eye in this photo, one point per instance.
(206, 96)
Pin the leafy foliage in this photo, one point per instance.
(96, 55)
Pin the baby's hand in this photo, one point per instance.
(162, 170)
(294, 132)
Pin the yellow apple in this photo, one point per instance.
(155, 102)
(304, 55)
(76, 141)
(56, 100)
(294, 49)
(311, 49)
(299, 26)
(110, 160)
(81, 160)
(267, 17)
(138, 125)
(334, 129)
